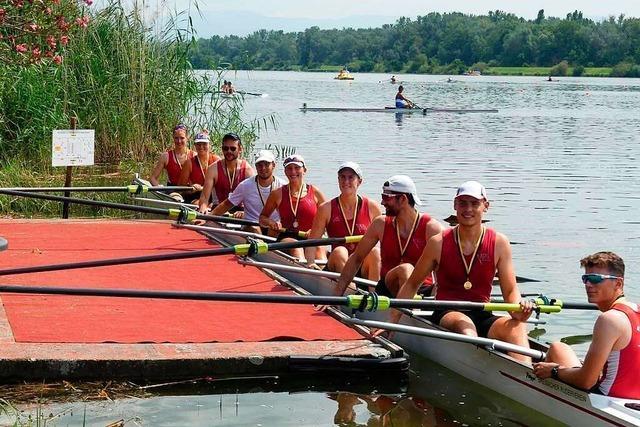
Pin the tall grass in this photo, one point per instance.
(128, 82)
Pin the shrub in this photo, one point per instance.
(560, 69)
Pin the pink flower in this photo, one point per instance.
(82, 22)
(51, 41)
(88, 2)
(57, 59)
(48, 11)
(64, 40)
(36, 53)
(32, 26)
(22, 47)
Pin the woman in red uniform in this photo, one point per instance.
(349, 214)
(173, 159)
(193, 171)
(297, 203)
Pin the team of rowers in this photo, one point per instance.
(409, 253)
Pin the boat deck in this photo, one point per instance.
(58, 336)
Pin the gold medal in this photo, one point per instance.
(295, 210)
(468, 285)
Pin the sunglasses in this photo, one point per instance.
(386, 196)
(232, 149)
(595, 278)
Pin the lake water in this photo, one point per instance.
(559, 161)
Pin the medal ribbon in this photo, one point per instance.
(467, 267)
(231, 178)
(175, 158)
(295, 211)
(270, 189)
(355, 215)
(403, 248)
(204, 170)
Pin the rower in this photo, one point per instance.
(613, 360)
(173, 159)
(349, 214)
(193, 171)
(393, 79)
(254, 191)
(401, 100)
(465, 259)
(402, 233)
(297, 203)
(225, 174)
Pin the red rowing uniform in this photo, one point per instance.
(338, 225)
(452, 274)
(174, 168)
(390, 250)
(620, 377)
(305, 213)
(226, 184)
(198, 171)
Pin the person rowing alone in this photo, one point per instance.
(402, 101)
(612, 362)
(253, 192)
(224, 175)
(297, 203)
(349, 214)
(194, 171)
(402, 233)
(465, 259)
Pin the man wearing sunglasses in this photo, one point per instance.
(612, 362)
(466, 259)
(225, 174)
(402, 233)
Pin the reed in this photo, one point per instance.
(128, 80)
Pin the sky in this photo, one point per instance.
(411, 8)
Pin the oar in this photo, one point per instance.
(434, 333)
(179, 214)
(159, 202)
(241, 249)
(133, 189)
(570, 305)
(218, 230)
(355, 301)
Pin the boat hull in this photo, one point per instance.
(396, 110)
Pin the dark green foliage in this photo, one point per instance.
(423, 45)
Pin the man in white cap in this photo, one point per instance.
(402, 232)
(254, 191)
(466, 259)
(347, 215)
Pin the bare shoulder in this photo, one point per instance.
(433, 227)
(612, 318)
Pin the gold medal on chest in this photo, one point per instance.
(468, 285)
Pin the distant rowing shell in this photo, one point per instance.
(396, 110)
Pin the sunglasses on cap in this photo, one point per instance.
(595, 278)
(387, 196)
(180, 126)
(229, 148)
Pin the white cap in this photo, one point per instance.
(202, 137)
(402, 184)
(473, 189)
(295, 159)
(265, 156)
(353, 166)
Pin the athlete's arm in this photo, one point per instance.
(161, 163)
(369, 240)
(269, 206)
(223, 208)
(210, 179)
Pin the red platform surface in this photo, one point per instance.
(69, 319)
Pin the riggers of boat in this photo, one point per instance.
(482, 363)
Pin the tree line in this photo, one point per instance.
(437, 43)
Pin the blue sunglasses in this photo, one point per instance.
(595, 278)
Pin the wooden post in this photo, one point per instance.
(67, 178)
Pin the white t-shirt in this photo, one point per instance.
(246, 193)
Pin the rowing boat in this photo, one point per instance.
(485, 365)
(482, 365)
(304, 108)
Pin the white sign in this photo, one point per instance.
(73, 147)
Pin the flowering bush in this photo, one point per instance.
(33, 31)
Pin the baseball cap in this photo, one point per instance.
(353, 166)
(202, 137)
(402, 184)
(295, 159)
(265, 156)
(473, 189)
